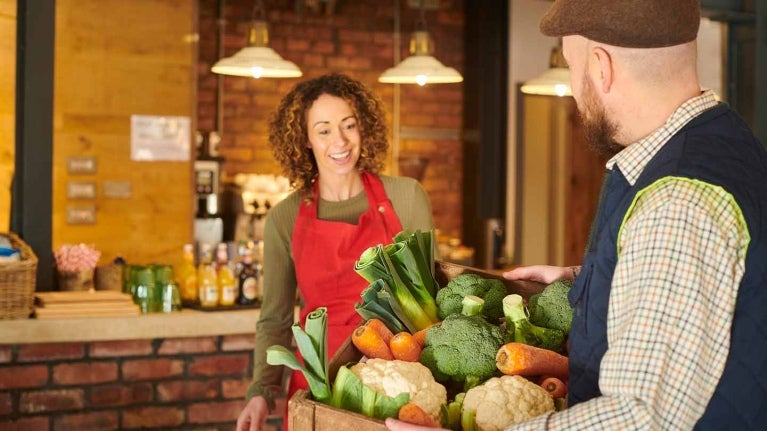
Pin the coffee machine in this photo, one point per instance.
(246, 201)
(208, 224)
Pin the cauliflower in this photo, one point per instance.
(392, 378)
(502, 401)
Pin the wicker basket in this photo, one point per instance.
(17, 282)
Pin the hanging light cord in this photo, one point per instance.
(259, 12)
(420, 25)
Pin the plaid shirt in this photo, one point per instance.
(681, 257)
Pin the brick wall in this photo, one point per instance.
(182, 383)
(357, 40)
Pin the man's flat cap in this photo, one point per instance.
(626, 23)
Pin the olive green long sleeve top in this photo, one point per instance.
(410, 202)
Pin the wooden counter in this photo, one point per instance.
(187, 323)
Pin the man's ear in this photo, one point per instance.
(602, 65)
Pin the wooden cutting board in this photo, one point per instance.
(84, 304)
(97, 296)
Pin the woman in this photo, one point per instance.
(329, 135)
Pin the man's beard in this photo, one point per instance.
(600, 131)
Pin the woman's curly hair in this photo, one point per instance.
(288, 134)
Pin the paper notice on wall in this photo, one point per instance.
(160, 138)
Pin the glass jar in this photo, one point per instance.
(166, 289)
(145, 290)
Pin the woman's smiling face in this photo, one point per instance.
(334, 135)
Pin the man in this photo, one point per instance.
(670, 325)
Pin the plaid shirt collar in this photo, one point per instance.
(633, 159)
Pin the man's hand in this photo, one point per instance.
(396, 425)
(253, 416)
(541, 273)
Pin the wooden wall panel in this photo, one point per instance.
(535, 180)
(559, 182)
(7, 106)
(115, 59)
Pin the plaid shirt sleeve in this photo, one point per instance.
(681, 259)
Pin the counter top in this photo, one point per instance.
(187, 323)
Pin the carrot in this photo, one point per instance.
(404, 347)
(381, 328)
(368, 341)
(524, 360)
(420, 336)
(556, 387)
(414, 414)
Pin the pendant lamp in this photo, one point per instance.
(555, 81)
(257, 60)
(421, 67)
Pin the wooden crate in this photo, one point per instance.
(305, 414)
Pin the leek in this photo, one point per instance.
(312, 343)
(375, 305)
(408, 262)
(409, 304)
(420, 243)
(451, 413)
(374, 264)
(349, 393)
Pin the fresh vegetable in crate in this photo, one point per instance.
(402, 284)
(377, 388)
(350, 393)
(525, 360)
(503, 401)
(312, 343)
(390, 380)
(551, 308)
(449, 299)
(372, 339)
(462, 349)
(520, 329)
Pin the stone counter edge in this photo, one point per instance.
(187, 323)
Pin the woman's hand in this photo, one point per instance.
(545, 274)
(397, 425)
(253, 416)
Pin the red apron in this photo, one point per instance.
(324, 253)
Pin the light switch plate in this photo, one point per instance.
(81, 165)
(81, 214)
(117, 189)
(81, 190)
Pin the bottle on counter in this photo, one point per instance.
(187, 275)
(248, 279)
(227, 285)
(207, 279)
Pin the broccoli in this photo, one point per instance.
(462, 349)
(551, 308)
(490, 290)
(519, 329)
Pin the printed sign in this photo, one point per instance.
(156, 138)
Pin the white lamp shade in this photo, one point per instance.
(421, 70)
(553, 82)
(257, 62)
